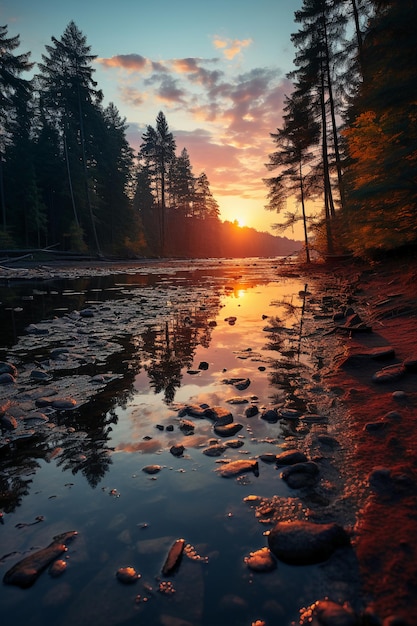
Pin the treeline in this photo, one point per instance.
(348, 139)
(69, 178)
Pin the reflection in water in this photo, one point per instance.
(165, 324)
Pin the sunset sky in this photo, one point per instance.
(216, 69)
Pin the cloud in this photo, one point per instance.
(231, 47)
(130, 62)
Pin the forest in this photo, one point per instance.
(347, 144)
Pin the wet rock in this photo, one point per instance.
(7, 379)
(270, 415)
(251, 410)
(35, 418)
(173, 559)
(214, 450)
(301, 475)
(303, 542)
(87, 313)
(389, 374)
(261, 560)
(194, 410)
(234, 443)
(8, 368)
(399, 395)
(186, 426)
(64, 404)
(290, 457)
(242, 384)
(27, 571)
(151, 469)
(220, 415)
(237, 400)
(268, 457)
(127, 575)
(56, 353)
(203, 365)
(410, 363)
(177, 450)
(289, 414)
(33, 329)
(39, 375)
(311, 418)
(228, 430)
(57, 568)
(8, 422)
(328, 613)
(241, 466)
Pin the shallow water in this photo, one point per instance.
(178, 316)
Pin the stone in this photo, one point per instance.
(261, 560)
(177, 450)
(251, 410)
(214, 450)
(151, 469)
(301, 475)
(234, 443)
(174, 557)
(270, 415)
(410, 363)
(328, 613)
(290, 457)
(186, 426)
(389, 374)
(7, 379)
(241, 466)
(127, 575)
(220, 415)
(303, 543)
(228, 430)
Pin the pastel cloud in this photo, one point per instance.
(234, 115)
(231, 47)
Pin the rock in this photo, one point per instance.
(234, 443)
(389, 374)
(151, 469)
(237, 400)
(186, 426)
(194, 410)
(300, 475)
(270, 415)
(228, 430)
(304, 543)
(242, 384)
(241, 466)
(410, 363)
(7, 379)
(26, 572)
(203, 365)
(251, 410)
(390, 483)
(8, 368)
(173, 559)
(220, 415)
(127, 575)
(310, 418)
(215, 450)
(328, 613)
(261, 560)
(57, 568)
(289, 414)
(8, 422)
(177, 450)
(87, 313)
(268, 457)
(290, 457)
(39, 375)
(63, 404)
(32, 329)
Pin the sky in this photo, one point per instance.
(216, 69)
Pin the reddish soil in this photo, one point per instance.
(385, 534)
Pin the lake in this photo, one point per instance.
(166, 339)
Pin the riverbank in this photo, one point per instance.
(377, 421)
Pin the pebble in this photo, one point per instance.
(127, 575)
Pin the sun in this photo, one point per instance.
(240, 222)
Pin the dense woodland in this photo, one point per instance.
(69, 179)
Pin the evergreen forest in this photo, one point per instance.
(347, 146)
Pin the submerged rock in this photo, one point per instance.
(174, 557)
(26, 572)
(328, 613)
(228, 430)
(261, 560)
(304, 543)
(127, 575)
(241, 466)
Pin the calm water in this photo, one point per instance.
(94, 483)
